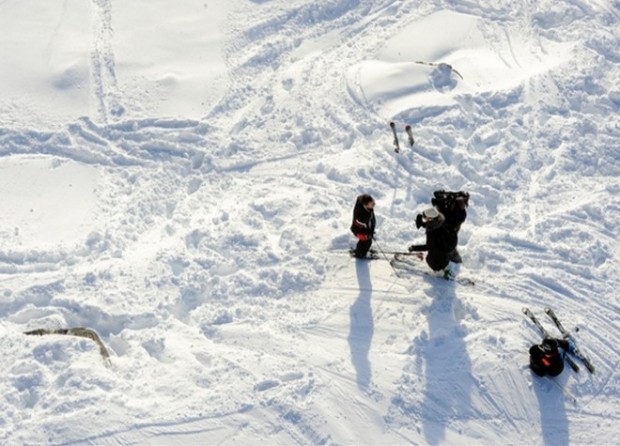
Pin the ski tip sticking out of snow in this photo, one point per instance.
(396, 142)
(410, 135)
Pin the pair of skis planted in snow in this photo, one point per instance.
(409, 135)
(575, 351)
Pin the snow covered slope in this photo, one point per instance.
(180, 177)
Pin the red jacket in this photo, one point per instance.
(363, 220)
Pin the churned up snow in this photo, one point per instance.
(180, 178)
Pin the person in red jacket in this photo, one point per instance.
(363, 226)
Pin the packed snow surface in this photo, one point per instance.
(180, 177)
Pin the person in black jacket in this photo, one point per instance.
(459, 212)
(453, 205)
(441, 240)
(547, 358)
(363, 225)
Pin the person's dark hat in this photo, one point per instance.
(365, 199)
(550, 345)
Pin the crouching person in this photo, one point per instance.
(441, 241)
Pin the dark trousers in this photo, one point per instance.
(362, 248)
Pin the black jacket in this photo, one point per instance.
(455, 214)
(455, 218)
(550, 361)
(363, 219)
(441, 242)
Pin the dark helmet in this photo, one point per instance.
(550, 346)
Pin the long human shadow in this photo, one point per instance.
(553, 417)
(361, 327)
(447, 366)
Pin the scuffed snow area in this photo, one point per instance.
(180, 177)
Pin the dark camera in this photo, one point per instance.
(443, 200)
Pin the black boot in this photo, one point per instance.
(456, 257)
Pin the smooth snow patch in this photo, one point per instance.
(98, 60)
(46, 202)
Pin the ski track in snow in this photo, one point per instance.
(208, 270)
(103, 66)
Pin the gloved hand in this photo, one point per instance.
(418, 221)
(411, 248)
(362, 237)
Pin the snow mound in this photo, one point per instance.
(415, 71)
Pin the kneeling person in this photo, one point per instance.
(440, 243)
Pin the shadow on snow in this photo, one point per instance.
(449, 381)
(553, 417)
(361, 327)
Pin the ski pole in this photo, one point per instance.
(385, 256)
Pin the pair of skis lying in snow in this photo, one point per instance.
(410, 262)
(574, 350)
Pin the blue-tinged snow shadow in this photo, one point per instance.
(447, 366)
(362, 327)
(553, 418)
